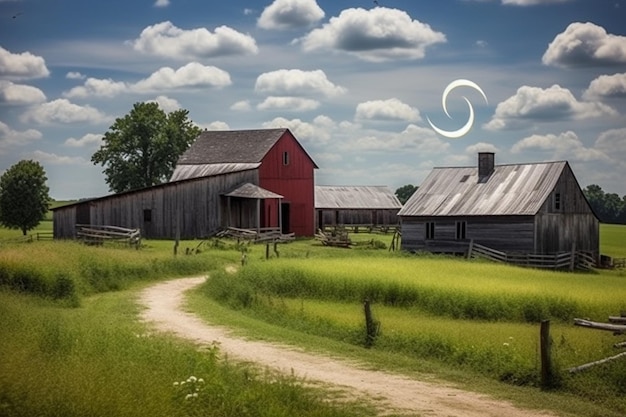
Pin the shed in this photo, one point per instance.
(369, 206)
(533, 208)
(283, 166)
(247, 179)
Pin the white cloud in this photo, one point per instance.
(297, 82)
(20, 94)
(613, 143)
(536, 104)
(54, 159)
(94, 87)
(63, 111)
(162, 3)
(316, 132)
(607, 86)
(74, 75)
(190, 75)
(378, 34)
(90, 140)
(585, 44)
(290, 14)
(10, 137)
(216, 125)
(22, 66)
(413, 139)
(242, 105)
(166, 104)
(565, 146)
(164, 79)
(166, 40)
(391, 109)
(288, 103)
(481, 147)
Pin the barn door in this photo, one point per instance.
(285, 218)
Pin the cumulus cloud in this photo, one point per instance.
(10, 137)
(242, 105)
(90, 140)
(481, 147)
(297, 82)
(165, 79)
(166, 40)
(74, 75)
(63, 111)
(162, 3)
(216, 125)
(566, 146)
(19, 94)
(391, 109)
(54, 159)
(378, 34)
(585, 44)
(531, 2)
(613, 142)
(606, 86)
(290, 14)
(537, 104)
(288, 103)
(190, 75)
(94, 87)
(316, 132)
(22, 66)
(166, 104)
(412, 139)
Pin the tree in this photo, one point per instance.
(608, 206)
(405, 192)
(141, 149)
(24, 196)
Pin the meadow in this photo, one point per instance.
(72, 344)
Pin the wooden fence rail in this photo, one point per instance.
(564, 260)
(98, 234)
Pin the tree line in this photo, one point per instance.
(609, 207)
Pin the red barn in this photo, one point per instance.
(284, 170)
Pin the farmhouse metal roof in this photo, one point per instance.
(355, 197)
(249, 190)
(516, 189)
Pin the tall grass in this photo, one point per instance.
(98, 360)
(613, 240)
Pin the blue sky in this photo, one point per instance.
(357, 82)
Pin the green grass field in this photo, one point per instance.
(76, 347)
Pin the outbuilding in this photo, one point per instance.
(532, 208)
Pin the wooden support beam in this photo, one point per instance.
(615, 328)
(592, 364)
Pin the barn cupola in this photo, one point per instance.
(486, 161)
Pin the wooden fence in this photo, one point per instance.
(564, 260)
(98, 235)
(267, 234)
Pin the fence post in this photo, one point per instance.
(370, 326)
(572, 261)
(470, 248)
(547, 377)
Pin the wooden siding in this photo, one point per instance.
(197, 201)
(505, 233)
(294, 181)
(326, 217)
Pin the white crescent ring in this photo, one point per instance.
(454, 134)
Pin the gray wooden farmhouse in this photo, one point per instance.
(534, 208)
(367, 206)
(254, 179)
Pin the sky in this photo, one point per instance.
(373, 90)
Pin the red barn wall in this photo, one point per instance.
(294, 181)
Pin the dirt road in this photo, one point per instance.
(393, 393)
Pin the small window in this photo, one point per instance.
(430, 230)
(557, 201)
(285, 158)
(460, 230)
(147, 215)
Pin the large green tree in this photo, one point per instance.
(141, 149)
(405, 192)
(24, 196)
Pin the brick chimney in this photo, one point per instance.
(486, 161)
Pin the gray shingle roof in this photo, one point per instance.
(185, 172)
(355, 197)
(231, 146)
(248, 190)
(516, 189)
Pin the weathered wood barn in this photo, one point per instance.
(535, 208)
(368, 206)
(249, 179)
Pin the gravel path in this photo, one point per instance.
(393, 393)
